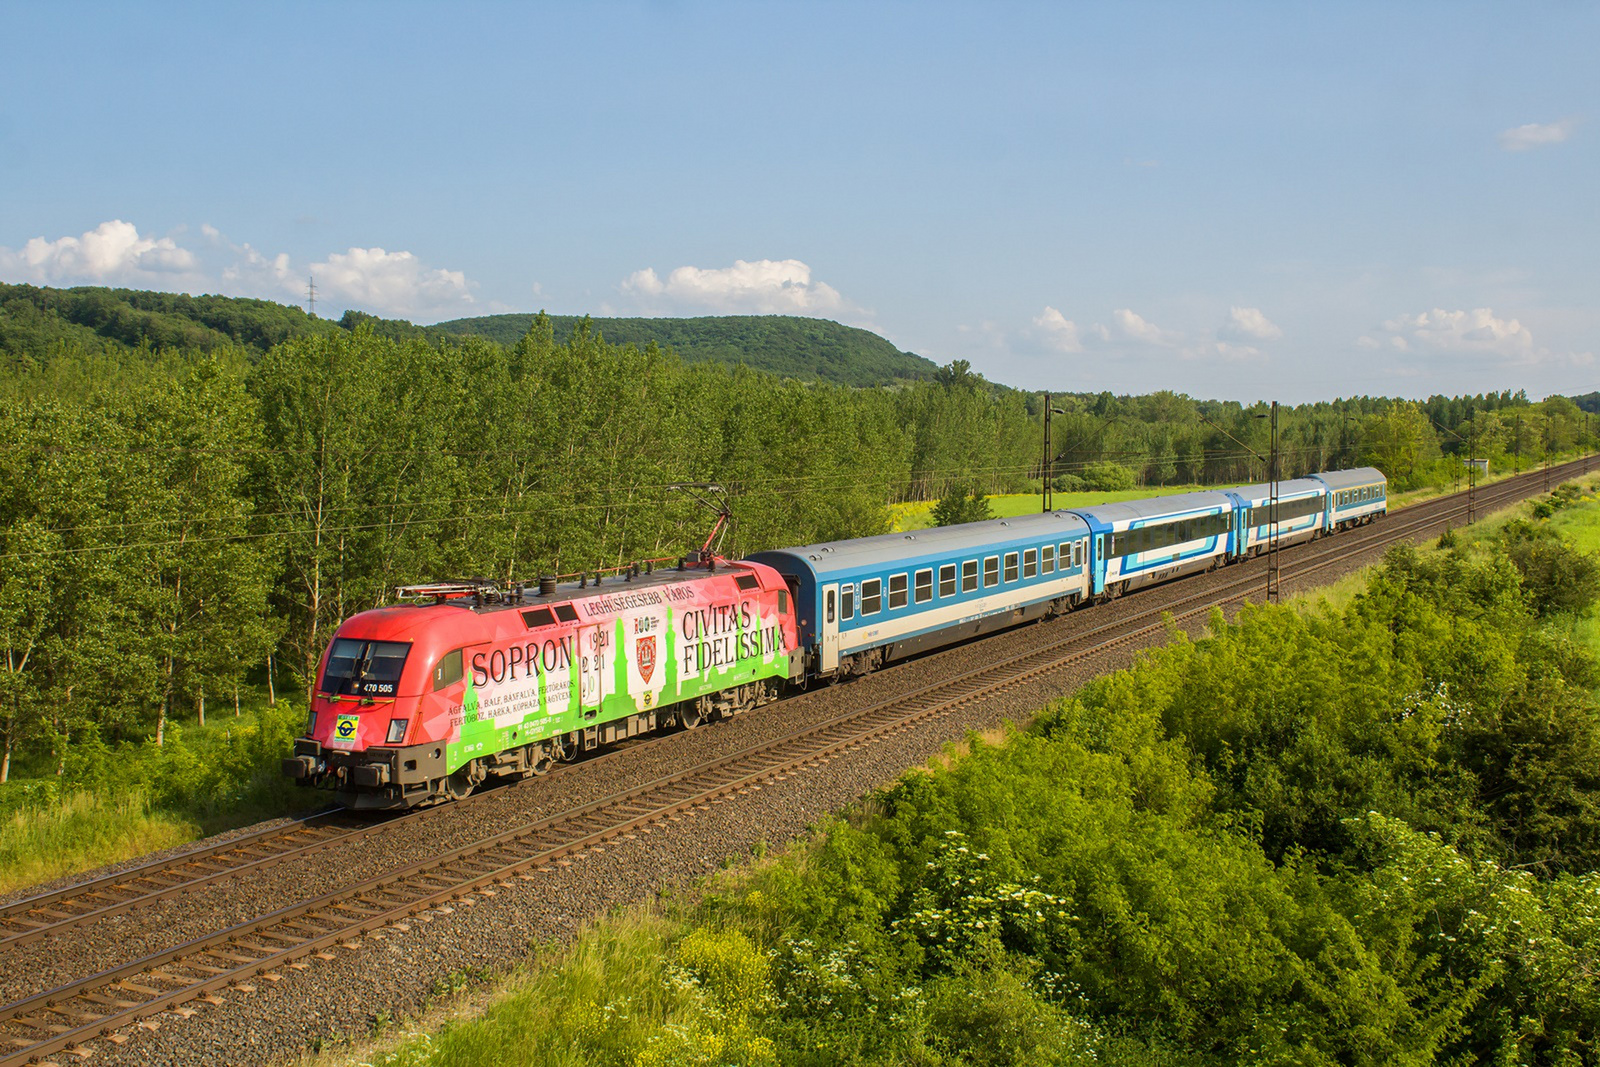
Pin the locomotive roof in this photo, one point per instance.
(1156, 506)
(830, 557)
(613, 585)
(1345, 479)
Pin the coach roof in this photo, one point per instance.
(1346, 479)
(1156, 507)
(941, 542)
(1286, 488)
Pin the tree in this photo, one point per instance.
(960, 505)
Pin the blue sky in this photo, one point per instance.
(1268, 200)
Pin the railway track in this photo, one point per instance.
(68, 1016)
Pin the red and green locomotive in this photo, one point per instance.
(467, 681)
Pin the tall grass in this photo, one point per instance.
(84, 830)
(115, 801)
(631, 990)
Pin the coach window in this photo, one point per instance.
(897, 591)
(1047, 557)
(872, 596)
(847, 603)
(947, 580)
(969, 576)
(1030, 563)
(925, 584)
(1077, 553)
(991, 571)
(830, 605)
(1011, 566)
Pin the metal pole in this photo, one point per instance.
(1472, 471)
(1047, 465)
(1272, 513)
(1516, 448)
(1547, 455)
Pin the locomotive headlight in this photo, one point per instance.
(311, 725)
(397, 730)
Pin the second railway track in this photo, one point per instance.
(71, 1014)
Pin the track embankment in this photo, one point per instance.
(261, 946)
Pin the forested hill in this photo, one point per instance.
(35, 320)
(787, 345)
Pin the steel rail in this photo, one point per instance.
(389, 897)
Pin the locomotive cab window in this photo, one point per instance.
(897, 591)
(924, 591)
(991, 571)
(447, 671)
(783, 602)
(947, 580)
(1030, 563)
(871, 596)
(1011, 566)
(969, 576)
(1047, 558)
(364, 668)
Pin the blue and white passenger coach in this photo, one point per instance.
(1302, 513)
(1141, 542)
(1355, 497)
(865, 602)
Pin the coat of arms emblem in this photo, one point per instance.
(647, 657)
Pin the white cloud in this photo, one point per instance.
(1058, 331)
(1478, 330)
(1249, 324)
(762, 287)
(392, 283)
(1135, 327)
(113, 252)
(1367, 342)
(371, 279)
(1536, 135)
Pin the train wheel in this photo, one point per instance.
(541, 758)
(689, 717)
(459, 784)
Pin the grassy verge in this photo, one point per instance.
(1214, 857)
(113, 802)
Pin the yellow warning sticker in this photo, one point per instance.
(345, 730)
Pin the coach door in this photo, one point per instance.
(830, 628)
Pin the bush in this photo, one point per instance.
(961, 505)
(1068, 483)
(1107, 477)
(1557, 576)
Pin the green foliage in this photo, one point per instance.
(786, 345)
(961, 504)
(1558, 577)
(1363, 835)
(1106, 477)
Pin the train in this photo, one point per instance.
(466, 681)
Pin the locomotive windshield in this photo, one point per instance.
(364, 668)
